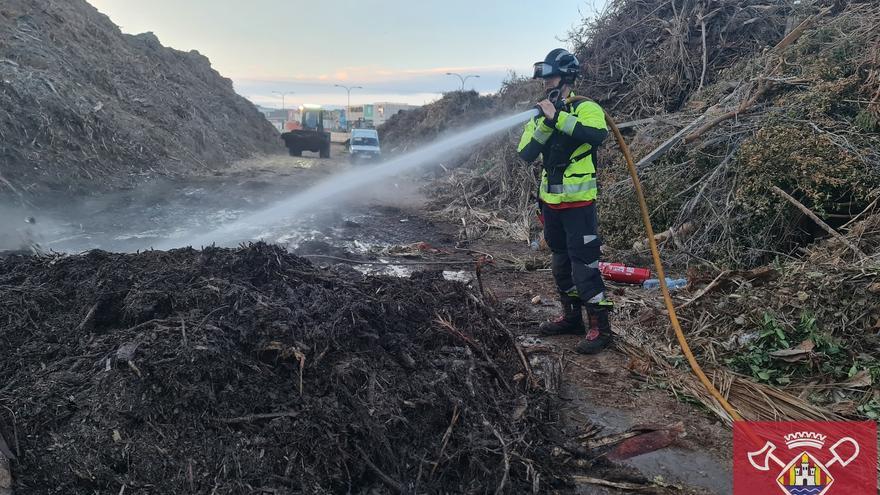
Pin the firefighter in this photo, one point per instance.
(566, 134)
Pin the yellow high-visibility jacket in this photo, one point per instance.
(568, 147)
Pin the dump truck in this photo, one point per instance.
(310, 134)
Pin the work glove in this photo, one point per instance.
(549, 111)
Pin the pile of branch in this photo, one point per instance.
(644, 58)
(733, 173)
(704, 136)
(793, 342)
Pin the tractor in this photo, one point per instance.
(310, 134)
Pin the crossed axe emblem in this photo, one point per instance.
(761, 459)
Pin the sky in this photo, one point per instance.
(397, 50)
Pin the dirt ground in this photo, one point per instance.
(606, 391)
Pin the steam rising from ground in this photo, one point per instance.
(339, 188)
(168, 214)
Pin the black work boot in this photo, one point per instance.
(599, 334)
(571, 322)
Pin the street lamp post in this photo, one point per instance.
(283, 122)
(348, 106)
(462, 78)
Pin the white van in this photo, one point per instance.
(364, 144)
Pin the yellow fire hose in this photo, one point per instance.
(658, 265)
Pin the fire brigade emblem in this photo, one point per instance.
(805, 474)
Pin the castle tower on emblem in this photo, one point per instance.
(805, 475)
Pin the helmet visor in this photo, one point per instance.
(542, 70)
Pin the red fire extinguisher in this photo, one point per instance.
(618, 272)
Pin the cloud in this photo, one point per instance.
(376, 74)
(338, 100)
(415, 86)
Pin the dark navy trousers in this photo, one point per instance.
(573, 237)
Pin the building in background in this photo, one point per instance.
(277, 117)
(359, 117)
(334, 120)
(374, 115)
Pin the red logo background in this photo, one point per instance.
(857, 478)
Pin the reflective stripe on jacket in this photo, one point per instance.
(575, 179)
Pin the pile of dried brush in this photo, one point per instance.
(787, 152)
(492, 192)
(649, 57)
(788, 97)
(801, 120)
(794, 340)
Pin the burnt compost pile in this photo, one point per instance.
(252, 371)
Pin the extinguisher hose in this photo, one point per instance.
(658, 265)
